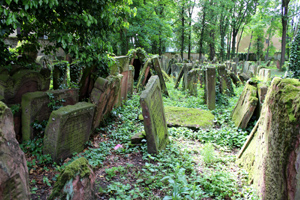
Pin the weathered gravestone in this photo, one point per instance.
(37, 106)
(210, 87)
(76, 182)
(243, 77)
(271, 153)
(264, 74)
(14, 182)
(21, 82)
(75, 71)
(192, 81)
(187, 67)
(68, 129)
(154, 116)
(104, 96)
(175, 70)
(245, 107)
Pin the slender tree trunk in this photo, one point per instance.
(190, 35)
(247, 58)
(234, 34)
(212, 46)
(284, 19)
(182, 32)
(202, 33)
(228, 47)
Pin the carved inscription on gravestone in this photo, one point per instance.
(68, 130)
(154, 116)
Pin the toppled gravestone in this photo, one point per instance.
(37, 106)
(154, 116)
(189, 117)
(245, 107)
(21, 82)
(14, 182)
(105, 97)
(271, 153)
(68, 129)
(75, 182)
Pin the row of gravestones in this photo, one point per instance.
(70, 126)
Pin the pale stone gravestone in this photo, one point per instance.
(253, 69)
(21, 82)
(35, 107)
(104, 95)
(76, 181)
(245, 107)
(264, 74)
(271, 153)
(154, 116)
(222, 78)
(246, 67)
(175, 70)
(68, 129)
(210, 87)
(14, 183)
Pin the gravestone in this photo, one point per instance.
(264, 74)
(104, 96)
(68, 129)
(246, 67)
(210, 87)
(125, 79)
(271, 153)
(44, 61)
(192, 81)
(14, 182)
(243, 77)
(157, 67)
(222, 78)
(245, 107)
(236, 81)
(154, 116)
(75, 71)
(175, 70)
(59, 74)
(21, 82)
(76, 181)
(253, 69)
(186, 68)
(35, 107)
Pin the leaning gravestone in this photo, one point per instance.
(68, 129)
(245, 107)
(36, 107)
(271, 153)
(154, 116)
(14, 182)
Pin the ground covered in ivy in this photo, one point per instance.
(197, 164)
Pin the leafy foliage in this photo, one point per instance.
(294, 63)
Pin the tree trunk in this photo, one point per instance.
(284, 19)
(202, 33)
(249, 46)
(182, 32)
(234, 34)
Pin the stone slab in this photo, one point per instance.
(68, 129)
(154, 116)
(189, 117)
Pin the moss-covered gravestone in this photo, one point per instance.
(68, 129)
(75, 182)
(154, 116)
(37, 106)
(186, 68)
(189, 117)
(271, 154)
(14, 182)
(245, 107)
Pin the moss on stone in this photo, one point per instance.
(189, 117)
(77, 167)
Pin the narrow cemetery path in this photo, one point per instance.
(197, 164)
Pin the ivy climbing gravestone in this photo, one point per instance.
(154, 116)
(68, 129)
(271, 154)
(13, 166)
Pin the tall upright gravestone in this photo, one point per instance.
(210, 87)
(154, 116)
